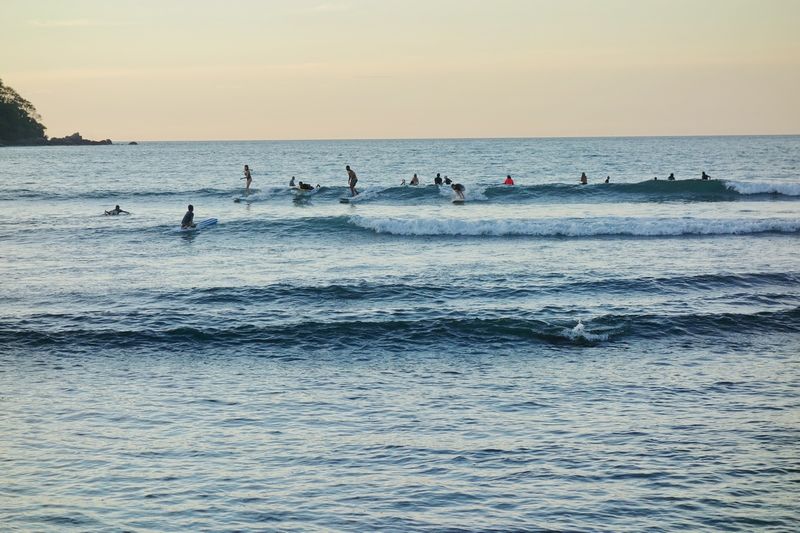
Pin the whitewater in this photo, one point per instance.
(546, 356)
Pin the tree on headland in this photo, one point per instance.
(19, 121)
(20, 124)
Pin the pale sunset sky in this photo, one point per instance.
(345, 69)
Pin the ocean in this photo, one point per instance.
(547, 356)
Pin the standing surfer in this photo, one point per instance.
(247, 177)
(352, 179)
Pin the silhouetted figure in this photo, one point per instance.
(584, 179)
(704, 176)
(188, 218)
(352, 179)
(671, 176)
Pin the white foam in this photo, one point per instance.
(765, 187)
(263, 193)
(576, 227)
(579, 332)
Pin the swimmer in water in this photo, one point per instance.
(508, 181)
(584, 179)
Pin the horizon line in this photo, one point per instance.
(343, 139)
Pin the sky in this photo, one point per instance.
(355, 69)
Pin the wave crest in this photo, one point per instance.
(574, 227)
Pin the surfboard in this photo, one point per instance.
(203, 224)
(344, 200)
(458, 202)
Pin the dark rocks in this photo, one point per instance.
(74, 140)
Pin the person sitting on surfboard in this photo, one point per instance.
(608, 179)
(438, 179)
(459, 189)
(247, 177)
(704, 176)
(584, 179)
(414, 180)
(671, 176)
(352, 179)
(447, 181)
(188, 218)
(116, 211)
(291, 182)
(508, 181)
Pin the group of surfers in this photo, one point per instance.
(585, 180)
(352, 180)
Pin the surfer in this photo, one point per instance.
(352, 179)
(704, 176)
(608, 179)
(671, 176)
(305, 186)
(291, 182)
(438, 179)
(459, 189)
(447, 181)
(414, 180)
(508, 181)
(188, 218)
(117, 211)
(247, 177)
(584, 179)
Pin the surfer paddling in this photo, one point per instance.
(188, 218)
(117, 211)
(352, 179)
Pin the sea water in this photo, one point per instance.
(551, 355)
